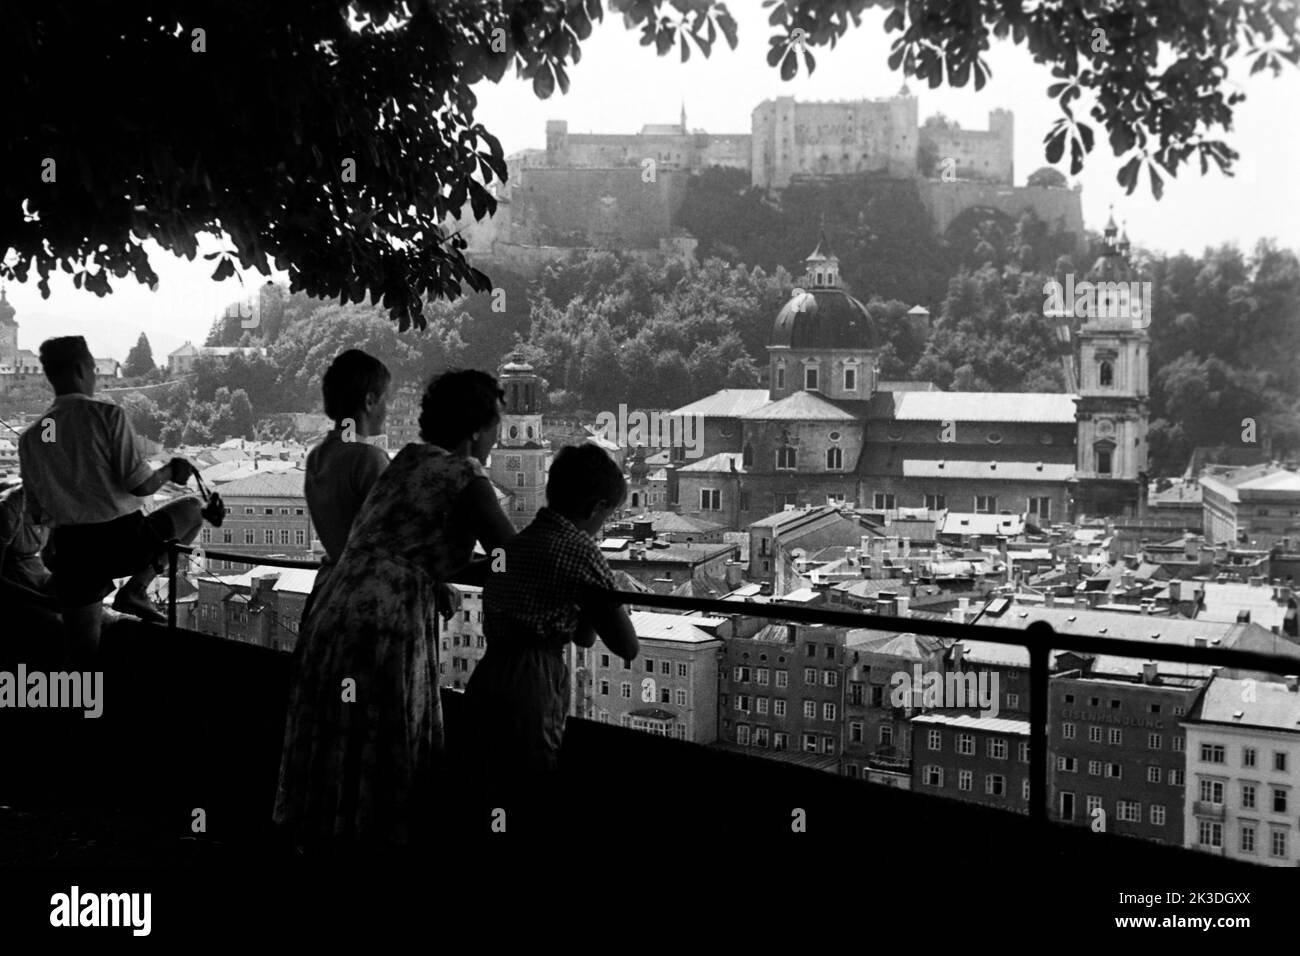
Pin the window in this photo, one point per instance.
(1094, 734)
(780, 376)
(1094, 768)
(828, 711)
(248, 511)
(604, 688)
(778, 707)
(270, 511)
(1067, 764)
(1211, 753)
(785, 458)
(1157, 815)
(830, 652)
(627, 664)
(284, 535)
(1022, 751)
(810, 675)
(966, 745)
(268, 536)
(742, 703)
(850, 380)
(742, 734)
(665, 695)
(1248, 796)
(1106, 374)
(1247, 838)
(1175, 778)
(1013, 701)
(1114, 770)
(1279, 800)
(284, 511)
(995, 785)
(810, 378)
(1177, 744)
(780, 741)
(1103, 461)
(761, 702)
(810, 709)
(782, 678)
(1067, 731)
(935, 502)
(1248, 756)
(933, 776)
(1093, 802)
(834, 458)
(810, 743)
(1211, 791)
(965, 779)
(1024, 790)
(1210, 834)
(1041, 507)
(1179, 711)
(1279, 761)
(1116, 736)
(829, 677)
(227, 536)
(604, 660)
(207, 535)
(935, 740)
(1130, 811)
(1154, 774)
(998, 748)
(300, 537)
(625, 690)
(1277, 847)
(855, 732)
(877, 696)
(761, 735)
(683, 672)
(886, 735)
(986, 505)
(763, 675)
(1153, 741)
(710, 499)
(828, 745)
(665, 668)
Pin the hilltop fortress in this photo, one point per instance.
(626, 191)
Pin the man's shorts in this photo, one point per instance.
(87, 558)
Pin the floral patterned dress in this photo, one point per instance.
(363, 742)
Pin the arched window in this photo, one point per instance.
(1106, 374)
(834, 458)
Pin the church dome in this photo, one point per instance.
(821, 314)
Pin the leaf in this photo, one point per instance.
(1055, 145)
(544, 82)
(686, 49)
(809, 62)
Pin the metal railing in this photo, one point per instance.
(1039, 638)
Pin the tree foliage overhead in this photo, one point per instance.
(336, 138)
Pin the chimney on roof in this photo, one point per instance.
(1175, 590)
(1293, 683)
(1199, 641)
(902, 606)
(1049, 599)
(958, 652)
(1243, 617)
(1149, 672)
(1258, 581)
(791, 633)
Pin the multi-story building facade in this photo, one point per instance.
(663, 567)
(1243, 771)
(1259, 505)
(671, 689)
(267, 515)
(462, 642)
(262, 606)
(783, 691)
(977, 759)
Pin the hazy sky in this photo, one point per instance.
(620, 85)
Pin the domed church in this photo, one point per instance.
(828, 431)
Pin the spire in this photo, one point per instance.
(683, 115)
(1110, 225)
(823, 265)
(1123, 239)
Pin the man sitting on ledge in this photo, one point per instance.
(83, 475)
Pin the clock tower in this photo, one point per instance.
(519, 462)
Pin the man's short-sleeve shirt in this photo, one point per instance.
(80, 461)
(339, 476)
(536, 598)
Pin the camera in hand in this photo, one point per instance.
(214, 512)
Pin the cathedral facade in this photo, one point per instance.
(826, 431)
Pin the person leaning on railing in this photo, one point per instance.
(344, 466)
(363, 743)
(83, 476)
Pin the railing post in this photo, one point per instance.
(173, 556)
(1040, 651)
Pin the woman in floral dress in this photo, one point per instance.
(363, 743)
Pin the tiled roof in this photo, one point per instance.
(781, 518)
(910, 646)
(800, 406)
(1006, 470)
(1044, 407)
(996, 725)
(670, 522)
(728, 403)
(673, 627)
(1268, 704)
(726, 461)
(277, 484)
